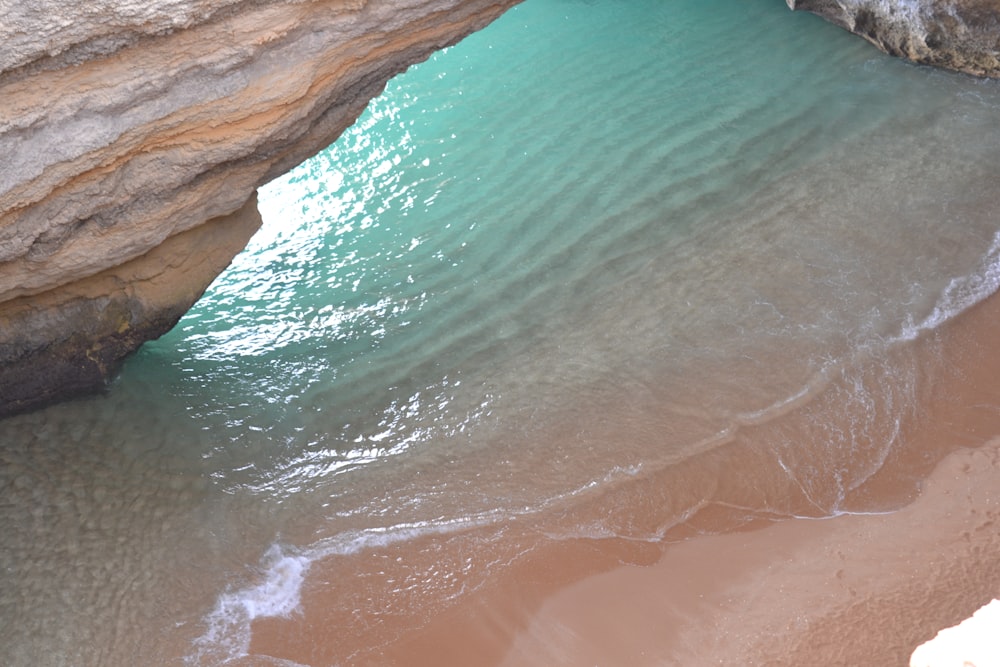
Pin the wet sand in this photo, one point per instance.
(851, 590)
(857, 589)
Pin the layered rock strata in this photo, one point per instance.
(128, 126)
(962, 35)
(134, 135)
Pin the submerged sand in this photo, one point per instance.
(851, 590)
(856, 589)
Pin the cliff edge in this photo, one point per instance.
(134, 135)
(961, 35)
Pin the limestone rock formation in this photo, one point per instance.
(963, 35)
(134, 134)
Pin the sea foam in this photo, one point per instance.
(277, 591)
(961, 293)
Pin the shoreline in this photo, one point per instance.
(851, 590)
(855, 589)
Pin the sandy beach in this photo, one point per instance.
(645, 333)
(857, 589)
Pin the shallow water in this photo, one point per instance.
(603, 269)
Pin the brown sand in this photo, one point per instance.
(852, 590)
(855, 590)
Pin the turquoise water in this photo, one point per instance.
(556, 262)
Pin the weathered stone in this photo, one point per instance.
(962, 35)
(72, 339)
(126, 125)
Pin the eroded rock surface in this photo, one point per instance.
(963, 35)
(127, 126)
(134, 135)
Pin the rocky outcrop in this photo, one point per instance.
(134, 135)
(962, 35)
(112, 312)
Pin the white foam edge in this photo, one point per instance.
(277, 591)
(961, 293)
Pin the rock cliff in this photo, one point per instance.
(963, 35)
(134, 135)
